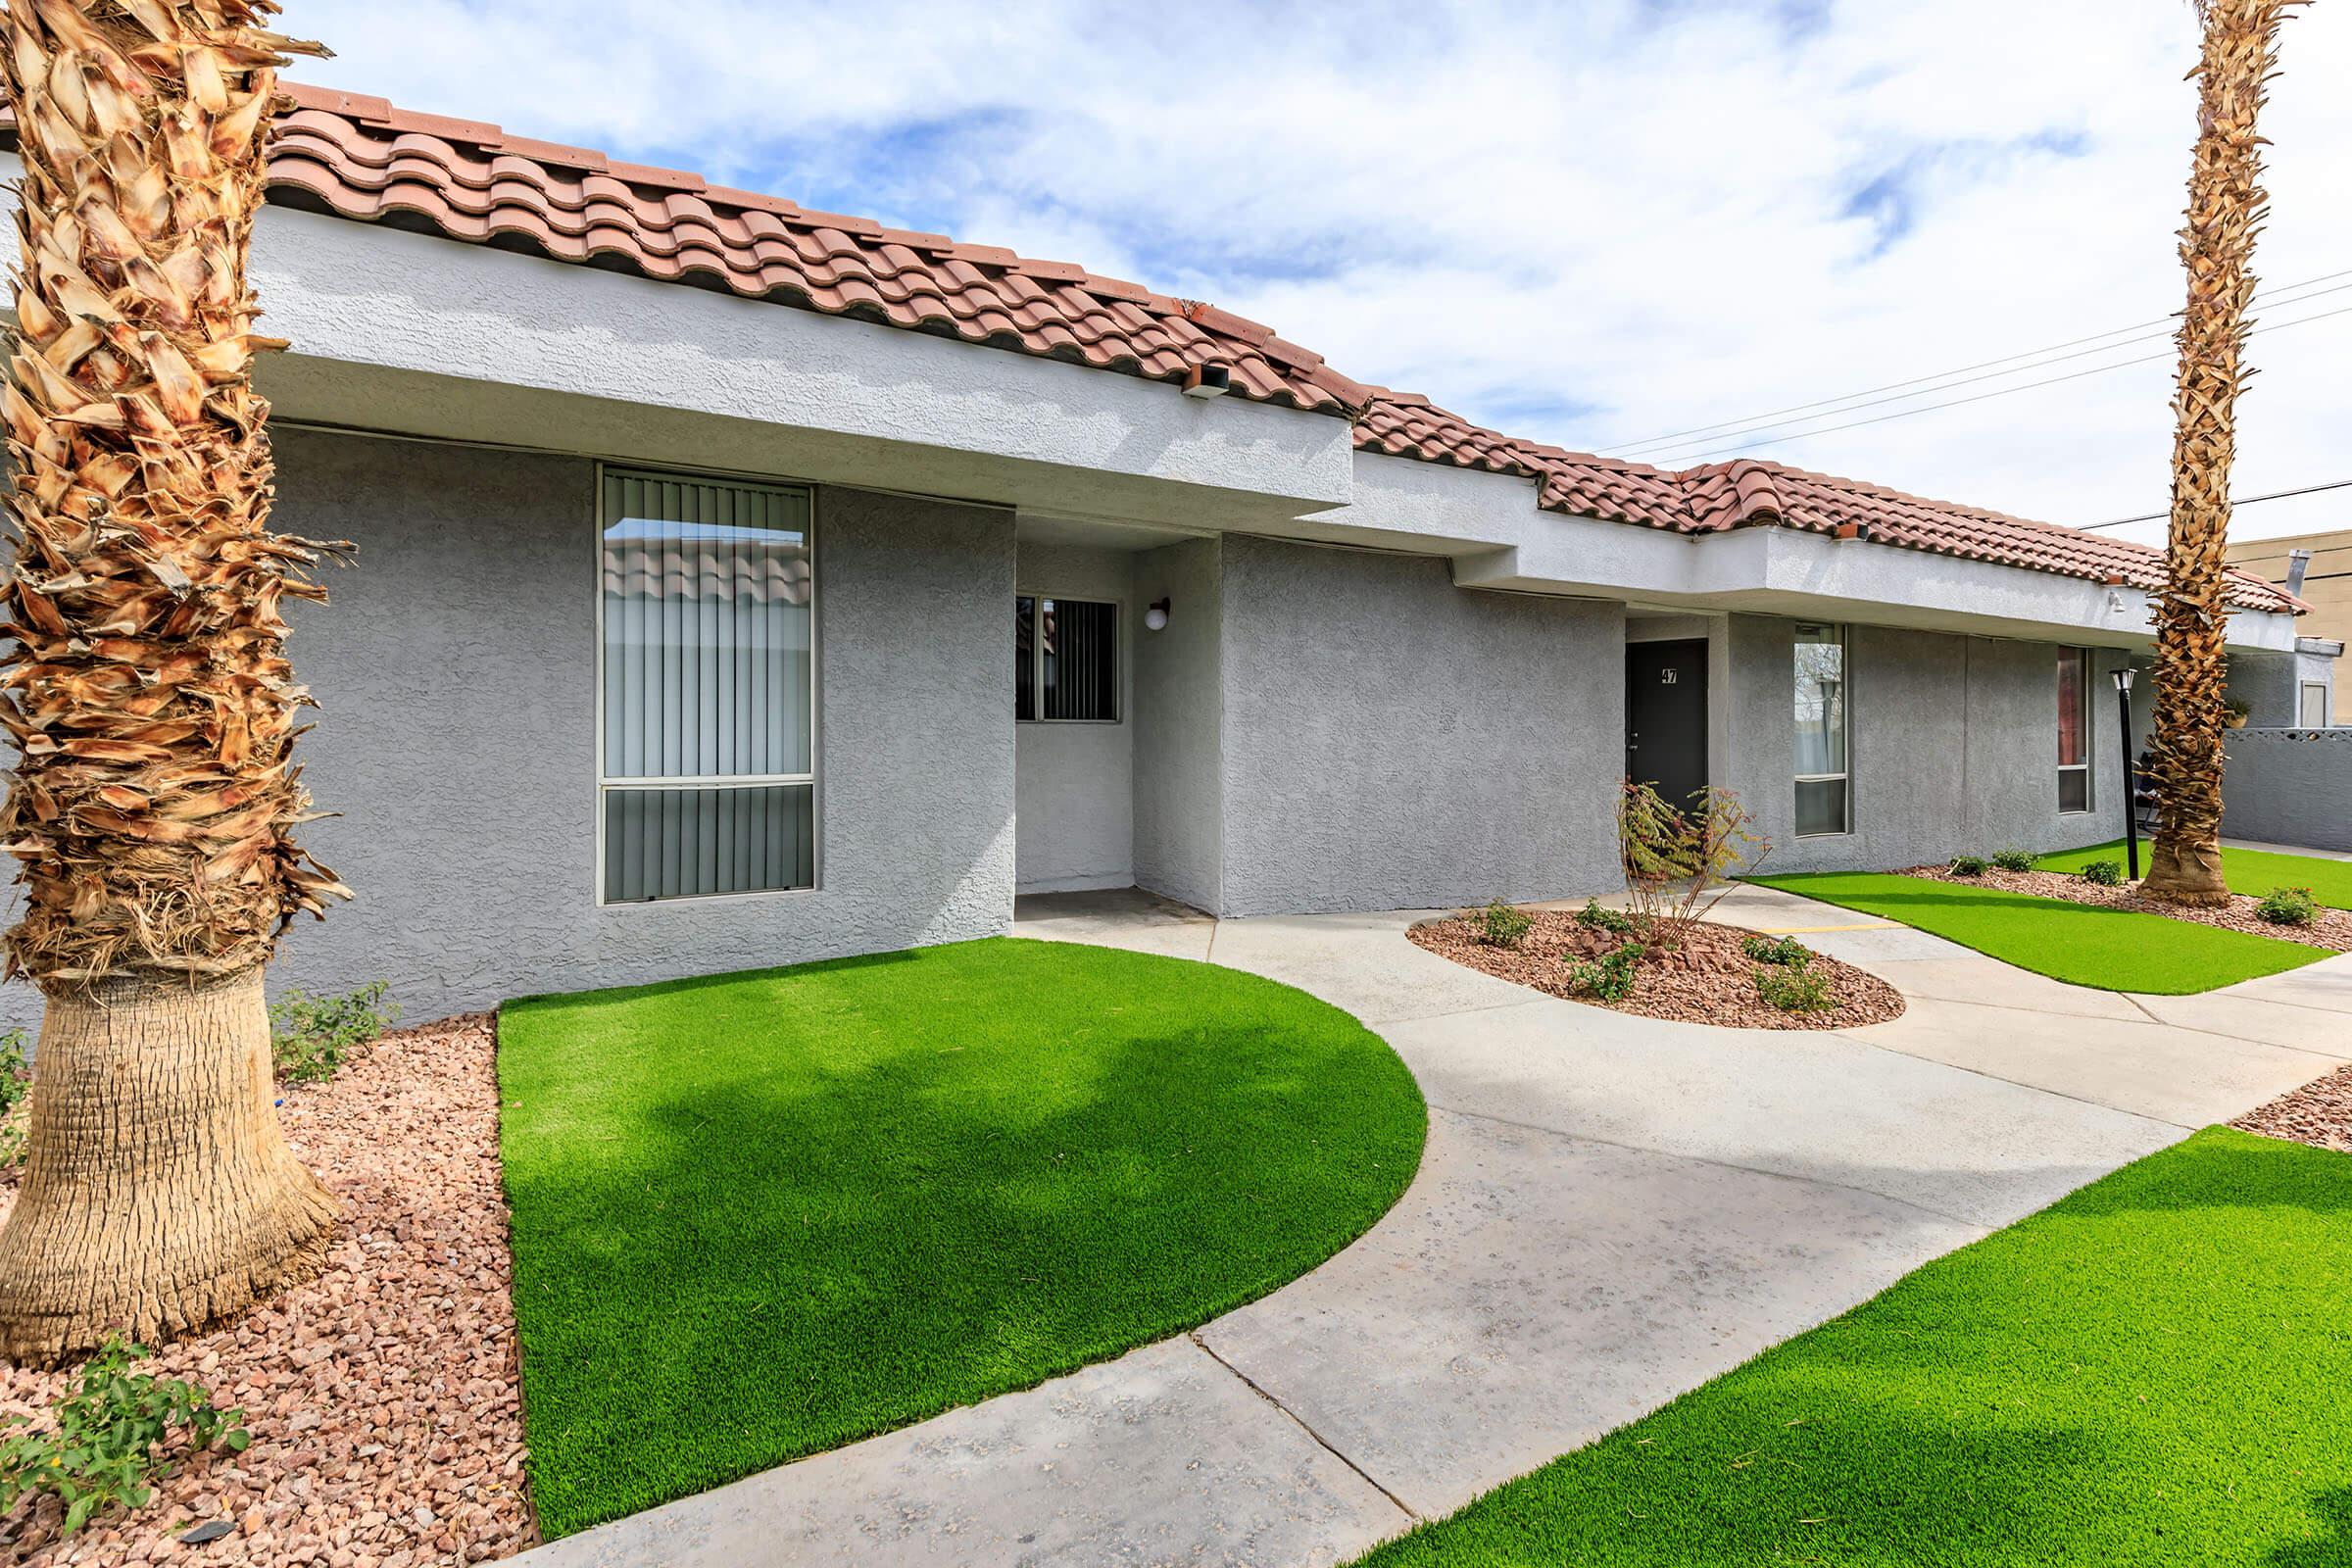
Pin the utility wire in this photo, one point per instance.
(1685, 458)
(1776, 416)
(1764, 429)
(2235, 501)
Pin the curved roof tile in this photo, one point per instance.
(360, 156)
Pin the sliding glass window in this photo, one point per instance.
(2073, 730)
(1824, 803)
(707, 694)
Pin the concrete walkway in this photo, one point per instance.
(1611, 1210)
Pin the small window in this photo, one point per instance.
(2315, 706)
(2073, 730)
(1824, 800)
(1065, 660)
(707, 714)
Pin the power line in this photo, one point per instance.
(1764, 429)
(2245, 501)
(1685, 458)
(1775, 416)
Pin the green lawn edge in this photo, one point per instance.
(965, 1220)
(2250, 871)
(2081, 944)
(2149, 1370)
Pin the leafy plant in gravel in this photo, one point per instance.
(1968, 865)
(1679, 862)
(2015, 859)
(1610, 977)
(111, 1441)
(16, 1085)
(1785, 950)
(2289, 907)
(1502, 925)
(1598, 916)
(2104, 873)
(310, 1037)
(1794, 988)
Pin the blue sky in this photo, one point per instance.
(1591, 225)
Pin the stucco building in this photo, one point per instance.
(739, 584)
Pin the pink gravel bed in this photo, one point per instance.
(387, 1429)
(2317, 1113)
(2332, 929)
(1707, 980)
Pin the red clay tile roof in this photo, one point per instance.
(1747, 492)
(360, 158)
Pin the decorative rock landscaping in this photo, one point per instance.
(381, 1398)
(1708, 979)
(2317, 1113)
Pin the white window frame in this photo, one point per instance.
(2090, 794)
(1845, 724)
(817, 612)
(2310, 688)
(1037, 655)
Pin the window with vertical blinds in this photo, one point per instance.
(706, 719)
(1066, 659)
(1823, 780)
(2073, 729)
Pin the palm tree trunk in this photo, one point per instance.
(148, 693)
(2226, 206)
(161, 1194)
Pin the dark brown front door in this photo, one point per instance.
(1666, 717)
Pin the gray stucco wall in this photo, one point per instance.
(2288, 786)
(456, 667)
(1392, 741)
(1179, 715)
(1074, 782)
(1954, 748)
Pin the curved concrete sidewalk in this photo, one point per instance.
(1611, 1210)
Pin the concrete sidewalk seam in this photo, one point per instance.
(2039, 1088)
(1249, 1383)
(1975, 1225)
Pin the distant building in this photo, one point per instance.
(2326, 582)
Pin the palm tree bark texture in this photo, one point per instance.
(2226, 210)
(147, 689)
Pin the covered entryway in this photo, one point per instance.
(1666, 715)
(1091, 691)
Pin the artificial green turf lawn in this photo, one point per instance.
(765, 1214)
(2253, 871)
(2081, 944)
(2153, 1371)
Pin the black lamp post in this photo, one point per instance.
(2123, 715)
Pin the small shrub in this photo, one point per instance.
(1785, 950)
(1968, 865)
(1594, 917)
(2289, 907)
(112, 1442)
(1500, 925)
(1610, 977)
(2015, 859)
(311, 1036)
(2104, 873)
(1794, 988)
(15, 1084)
(1681, 861)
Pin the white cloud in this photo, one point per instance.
(1585, 223)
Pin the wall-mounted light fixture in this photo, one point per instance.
(1207, 381)
(1156, 618)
